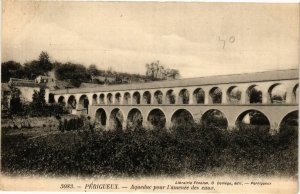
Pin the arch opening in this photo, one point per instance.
(109, 98)
(134, 119)
(290, 120)
(61, 101)
(136, 98)
(296, 94)
(95, 99)
(51, 98)
(170, 97)
(83, 104)
(101, 117)
(254, 94)
(126, 99)
(101, 99)
(215, 95)
(277, 93)
(147, 97)
(156, 119)
(158, 97)
(118, 98)
(199, 96)
(184, 96)
(252, 119)
(214, 118)
(116, 119)
(182, 118)
(234, 95)
(72, 102)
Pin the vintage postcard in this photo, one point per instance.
(183, 97)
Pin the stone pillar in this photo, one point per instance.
(207, 99)
(191, 97)
(243, 97)
(121, 98)
(124, 124)
(90, 98)
(105, 99)
(145, 123)
(224, 97)
(231, 123)
(290, 99)
(56, 97)
(265, 97)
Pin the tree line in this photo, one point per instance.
(76, 73)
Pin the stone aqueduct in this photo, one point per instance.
(197, 96)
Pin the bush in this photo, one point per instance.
(142, 152)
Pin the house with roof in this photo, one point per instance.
(27, 88)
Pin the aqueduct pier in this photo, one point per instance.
(273, 94)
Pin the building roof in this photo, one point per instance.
(60, 84)
(24, 83)
(89, 85)
(199, 81)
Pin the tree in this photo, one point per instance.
(92, 70)
(38, 99)
(11, 69)
(32, 69)
(75, 73)
(16, 105)
(155, 70)
(44, 62)
(38, 67)
(173, 74)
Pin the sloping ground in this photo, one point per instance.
(28, 122)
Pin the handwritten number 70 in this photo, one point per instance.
(231, 40)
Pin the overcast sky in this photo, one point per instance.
(125, 36)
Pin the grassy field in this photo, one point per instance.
(137, 153)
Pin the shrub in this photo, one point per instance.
(142, 152)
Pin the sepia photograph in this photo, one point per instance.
(163, 97)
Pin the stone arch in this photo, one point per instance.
(215, 95)
(252, 118)
(156, 119)
(158, 97)
(182, 118)
(51, 98)
(126, 98)
(184, 96)
(234, 95)
(214, 118)
(199, 96)
(296, 94)
(116, 119)
(61, 100)
(95, 99)
(136, 98)
(277, 93)
(147, 97)
(170, 97)
(109, 98)
(134, 119)
(83, 104)
(118, 98)
(290, 120)
(254, 94)
(101, 117)
(101, 99)
(72, 102)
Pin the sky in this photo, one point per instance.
(198, 39)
